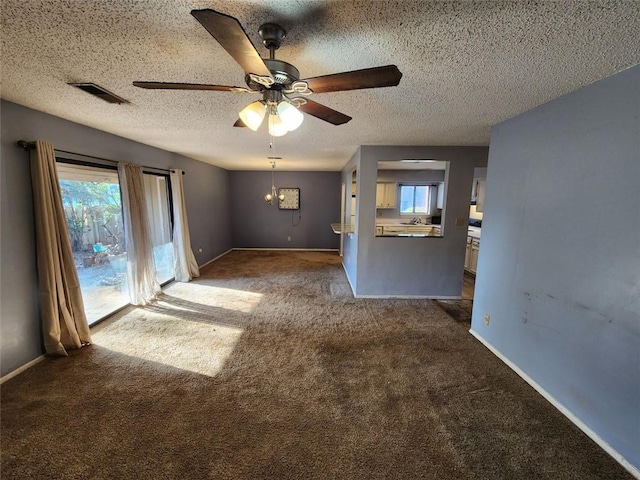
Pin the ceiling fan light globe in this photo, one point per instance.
(253, 114)
(276, 127)
(290, 116)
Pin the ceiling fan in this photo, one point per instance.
(283, 92)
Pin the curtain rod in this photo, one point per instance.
(30, 145)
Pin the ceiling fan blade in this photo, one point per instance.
(239, 123)
(230, 34)
(190, 86)
(387, 76)
(324, 113)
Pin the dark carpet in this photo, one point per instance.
(267, 368)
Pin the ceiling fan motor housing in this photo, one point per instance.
(278, 81)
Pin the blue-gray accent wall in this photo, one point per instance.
(256, 224)
(559, 264)
(206, 196)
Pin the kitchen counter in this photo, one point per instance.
(400, 224)
(340, 228)
(407, 230)
(474, 232)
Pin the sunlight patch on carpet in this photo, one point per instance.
(210, 296)
(197, 347)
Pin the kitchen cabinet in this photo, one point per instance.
(471, 254)
(421, 229)
(399, 230)
(393, 230)
(475, 249)
(386, 195)
(467, 254)
(440, 200)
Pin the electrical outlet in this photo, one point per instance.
(288, 239)
(487, 317)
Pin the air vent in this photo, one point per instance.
(99, 92)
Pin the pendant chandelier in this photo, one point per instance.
(283, 116)
(269, 197)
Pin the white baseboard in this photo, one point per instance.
(411, 297)
(21, 369)
(288, 249)
(214, 259)
(269, 249)
(353, 290)
(564, 410)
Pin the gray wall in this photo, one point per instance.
(559, 266)
(402, 266)
(256, 224)
(350, 241)
(207, 199)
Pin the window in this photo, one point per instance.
(156, 189)
(93, 208)
(416, 199)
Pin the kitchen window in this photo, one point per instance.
(417, 199)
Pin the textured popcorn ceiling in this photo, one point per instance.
(466, 66)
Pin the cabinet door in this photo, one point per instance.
(394, 230)
(390, 195)
(475, 248)
(380, 195)
(386, 195)
(467, 254)
(421, 229)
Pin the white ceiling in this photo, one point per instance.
(466, 66)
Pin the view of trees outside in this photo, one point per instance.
(93, 207)
(94, 213)
(414, 199)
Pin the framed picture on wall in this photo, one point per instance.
(291, 200)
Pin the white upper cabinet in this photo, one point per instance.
(386, 195)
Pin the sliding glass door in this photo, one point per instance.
(92, 204)
(93, 207)
(156, 189)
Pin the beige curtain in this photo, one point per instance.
(185, 265)
(143, 285)
(64, 322)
